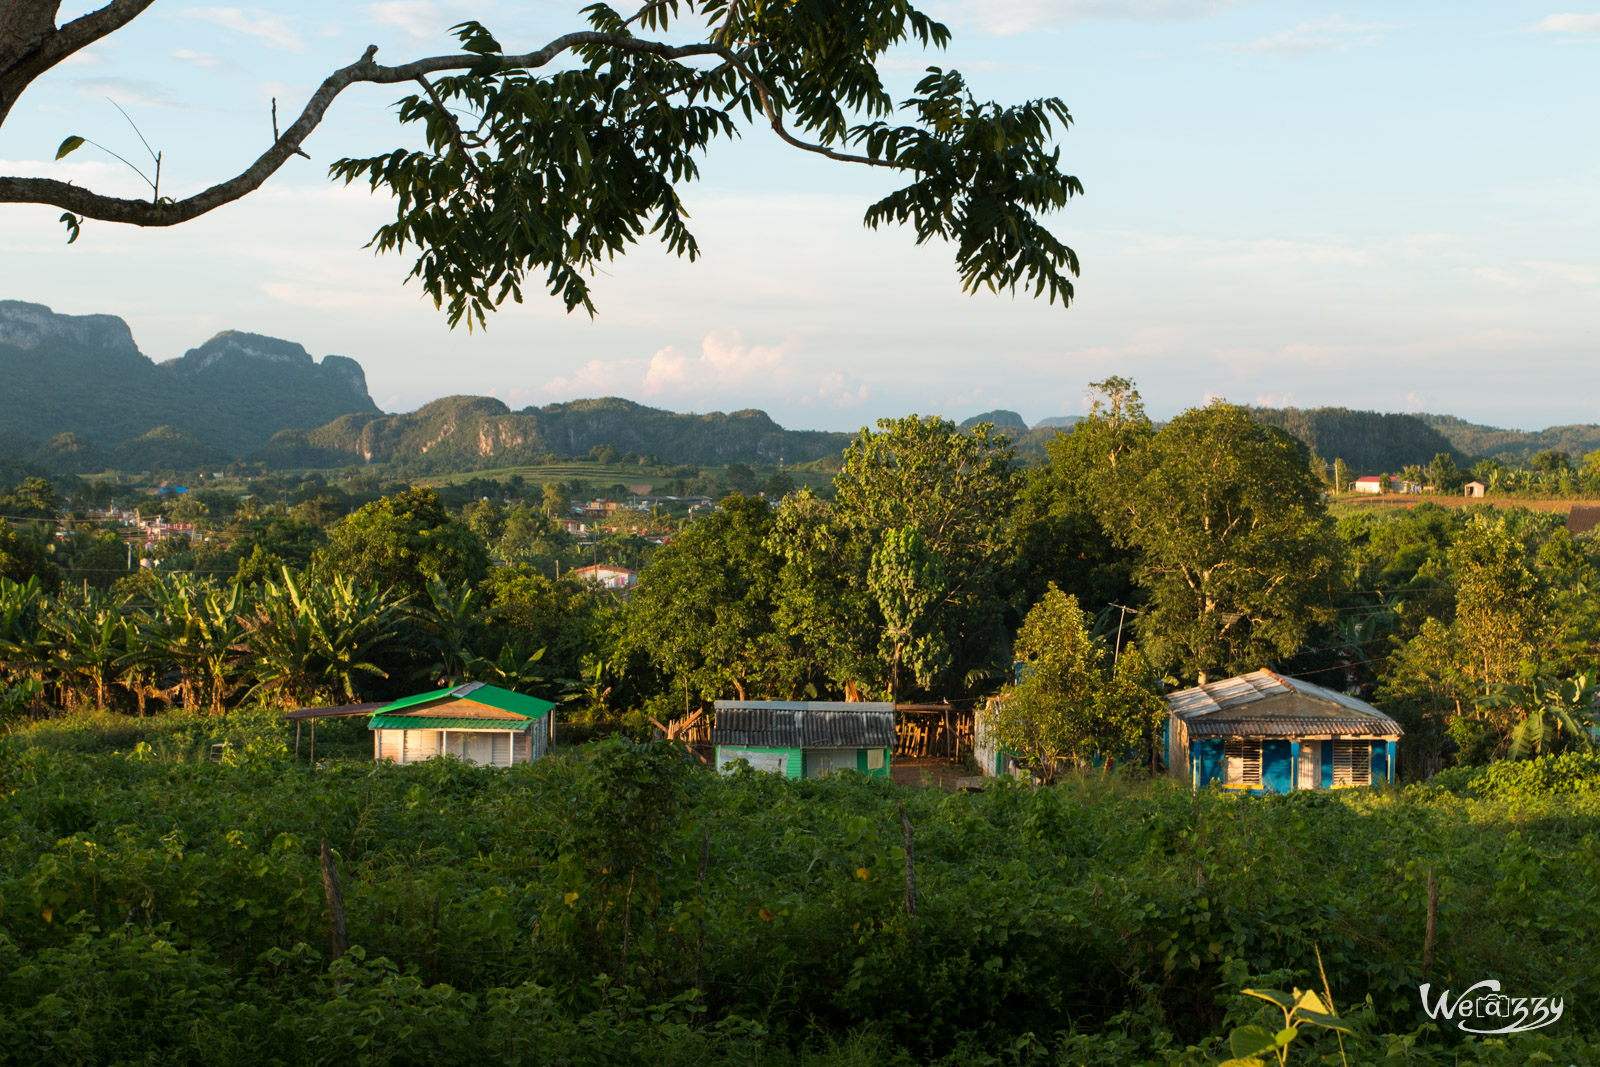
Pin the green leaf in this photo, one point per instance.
(1277, 996)
(70, 145)
(1332, 1022)
(74, 225)
(1248, 1041)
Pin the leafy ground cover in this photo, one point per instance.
(619, 905)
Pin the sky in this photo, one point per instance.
(1390, 206)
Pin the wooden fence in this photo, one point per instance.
(922, 731)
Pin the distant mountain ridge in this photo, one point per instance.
(479, 432)
(1491, 441)
(83, 375)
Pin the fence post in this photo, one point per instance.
(330, 886)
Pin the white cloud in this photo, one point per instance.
(730, 358)
(1005, 17)
(422, 19)
(252, 22)
(597, 377)
(197, 59)
(669, 368)
(129, 92)
(1497, 276)
(1335, 34)
(1581, 24)
(839, 392)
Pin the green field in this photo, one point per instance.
(623, 905)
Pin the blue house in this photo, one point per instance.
(1265, 733)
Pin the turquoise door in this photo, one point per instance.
(1277, 766)
(1213, 761)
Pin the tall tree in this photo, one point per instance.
(703, 611)
(1237, 553)
(554, 173)
(1065, 706)
(907, 581)
(956, 488)
(405, 541)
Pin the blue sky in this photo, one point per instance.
(1382, 205)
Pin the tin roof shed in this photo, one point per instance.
(804, 724)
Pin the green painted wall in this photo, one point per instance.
(794, 767)
(861, 763)
(796, 760)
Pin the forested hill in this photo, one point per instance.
(84, 376)
(1518, 444)
(477, 432)
(1371, 442)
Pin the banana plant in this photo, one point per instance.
(89, 643)
(448, 618)
(509, 669)
(24, 642)
(197, 627)
(310, 642)
(1556, 715)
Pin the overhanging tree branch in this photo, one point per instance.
(93, 205)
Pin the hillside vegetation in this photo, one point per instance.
(1370, 442)
(1514, 444)
(479, 432)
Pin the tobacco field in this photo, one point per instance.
(619, 904)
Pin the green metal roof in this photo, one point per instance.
(440, 722)
(491, 695)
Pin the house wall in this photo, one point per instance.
(790, 762)
(1286, 764)
(488, 748)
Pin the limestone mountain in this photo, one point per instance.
(84, 375)
(477, 432)
(1000, 418)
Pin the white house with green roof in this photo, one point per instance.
(479, 723)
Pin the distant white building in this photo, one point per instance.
(1370, 484)
(608, 575)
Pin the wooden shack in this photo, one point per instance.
(1266, 733)
(805, 739)
(479, 723)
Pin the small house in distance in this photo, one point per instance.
(1370, 484)
(1265, 733)
(479, 723)
(1474, 489)
(804, 739)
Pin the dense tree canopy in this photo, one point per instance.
(525, 171)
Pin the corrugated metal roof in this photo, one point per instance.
(803, 724)
(1291, 705)
(436, 722)
(491, 695)
(1288, 727)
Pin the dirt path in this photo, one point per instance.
(1406, 500)
(928, 773)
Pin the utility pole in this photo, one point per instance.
(1117, 654)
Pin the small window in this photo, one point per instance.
(1352, 763)
(874, 759)
(1244, 762)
